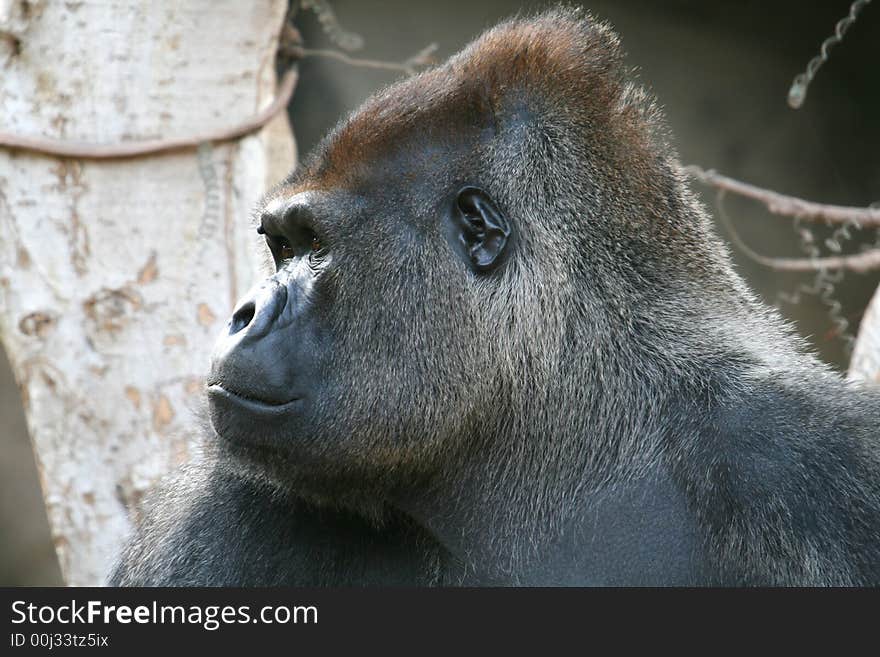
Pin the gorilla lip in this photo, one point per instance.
(258, 405)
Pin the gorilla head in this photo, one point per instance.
(472, 244)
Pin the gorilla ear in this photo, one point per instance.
(481, 229)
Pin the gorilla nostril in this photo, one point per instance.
(242, 317)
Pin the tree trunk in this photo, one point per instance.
(865, 363)
(115, 277)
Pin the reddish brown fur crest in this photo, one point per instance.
(562, 63)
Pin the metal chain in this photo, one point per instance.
(825, 281)
(798, 91)
(807, 244)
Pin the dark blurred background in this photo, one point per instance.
(721, 69)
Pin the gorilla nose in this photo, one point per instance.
(257, 312)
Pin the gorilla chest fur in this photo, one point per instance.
(634, 533)
(637, 533)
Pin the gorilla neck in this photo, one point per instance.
(595, 486)
(520, 501)
(504, 527)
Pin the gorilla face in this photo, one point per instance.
(386, 337)
(266, 366)
(360, 352)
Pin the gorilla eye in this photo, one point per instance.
(316, 244)
(285, 250)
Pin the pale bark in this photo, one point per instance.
(865, 363)
(115, 277)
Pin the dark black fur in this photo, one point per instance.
(518, 355)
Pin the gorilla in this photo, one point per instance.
(504, 346)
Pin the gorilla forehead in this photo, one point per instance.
(428, 124)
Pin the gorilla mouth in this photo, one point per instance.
(217, 392)
(239, 419)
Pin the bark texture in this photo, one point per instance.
(115, 277)
(865, 363)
